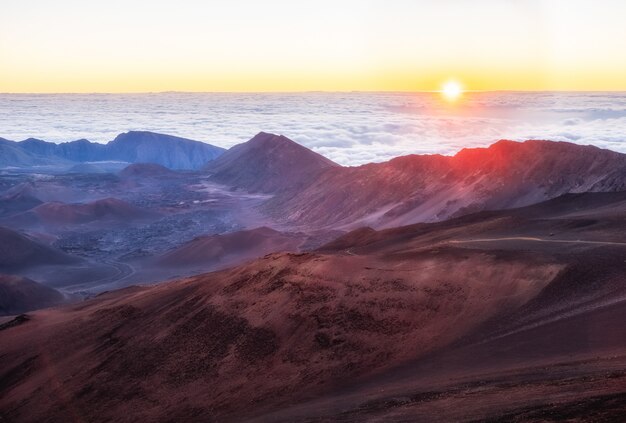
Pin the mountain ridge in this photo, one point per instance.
(414, 188)
(132, 147)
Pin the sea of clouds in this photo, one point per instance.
(350, 128)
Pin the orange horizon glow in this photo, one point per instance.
(70, 46)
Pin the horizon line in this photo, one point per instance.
(303, 92)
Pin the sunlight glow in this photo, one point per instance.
(452, 90)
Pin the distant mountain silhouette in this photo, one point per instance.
(268, 163)
(166, 150)
(13, 155)
(131, 147)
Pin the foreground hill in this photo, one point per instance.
(268, 163)
(130, 147)
(497, 315)
(432, 187)
(19, 295)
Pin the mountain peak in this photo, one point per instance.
(269, 138)
(268, 163)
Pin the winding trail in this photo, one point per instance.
(123, 271)
(525, 238)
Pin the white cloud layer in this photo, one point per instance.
(350, 128)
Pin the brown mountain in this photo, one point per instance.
(427, 188)
(499, 316)
(17, 201)
(146, 170)
(268, 163)
(19, 295)
(57, 214)
(18, 251)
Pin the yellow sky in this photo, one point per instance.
(339, 45)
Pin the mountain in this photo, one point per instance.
(513, 315)
(57, 214)
(433, 187)
(45, 190)
(268, 163)
(166, 150)
(18, 252)
(130, 147)
(12, 155)
(76, 151)
(19, 295)
(220, 250)
(18, 200)
(145, 170)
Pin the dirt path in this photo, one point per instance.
(525, 238)
(122, 270)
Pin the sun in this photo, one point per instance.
(452, 90)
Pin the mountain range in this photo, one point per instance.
(311, 191)
(482, 286)
(129, 147)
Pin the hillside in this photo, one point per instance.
(165, 150)
(430, 188)
(222, 249)
(18, 252)
(482, 317)
(268, 163)
(19, 295)
(55, 214)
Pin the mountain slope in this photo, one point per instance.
(16, 201)
(12, 155)
(221, 249)
(145, 170)
(166, 150)
(431, 188)
(478, 318)
(268, 163)
(19, 295)
(56, 214)
(19, 252)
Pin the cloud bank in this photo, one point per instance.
(350, 128)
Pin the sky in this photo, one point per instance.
(282, 46)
